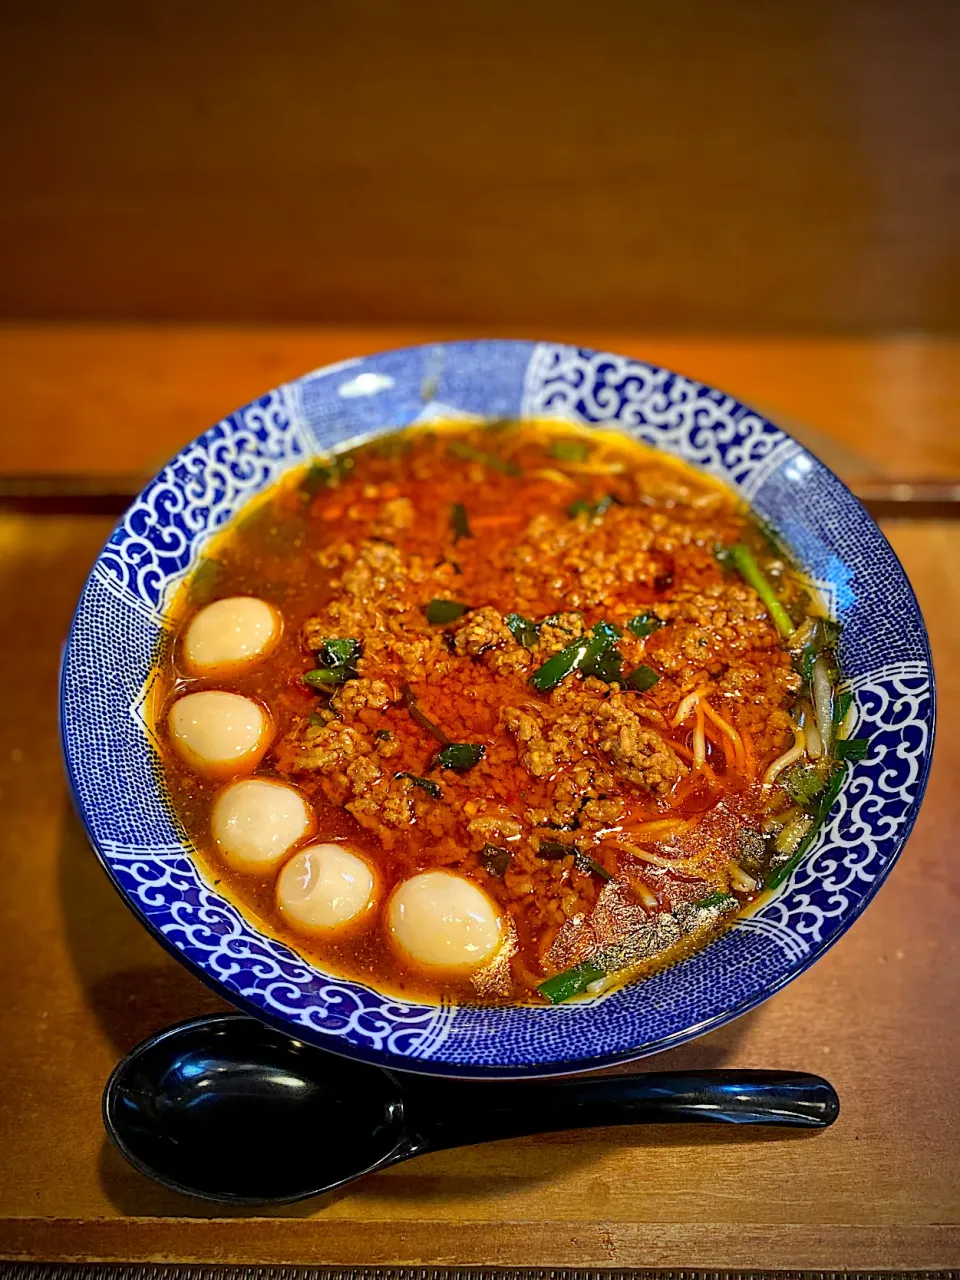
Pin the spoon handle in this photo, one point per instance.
(450, 1115)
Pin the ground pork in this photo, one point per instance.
(481, 629)
(358, 695)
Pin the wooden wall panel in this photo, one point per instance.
(727, 164)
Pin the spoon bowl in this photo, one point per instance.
(228, 1109)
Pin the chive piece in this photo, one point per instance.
(337, 653)
(571, 982)
(495, 860)
(410, 702)
(431, 788)
(204, 580)
(753, 575)
(441, 611)
(522, 629)
(830, 630)
(583, 862)
(644, 623)
(460, 449)
(383, 735)
(584, 508)
(325, 677)
(717, 899)
(460, 755)
(853, 748)
(459, 522)
(555, 849)
(780, 873)
(320, 475)
(642, 679)
(569, 450)
(316, 719)
(803, 783)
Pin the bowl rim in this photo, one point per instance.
(402, 1063)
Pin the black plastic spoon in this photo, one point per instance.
(227, 1109)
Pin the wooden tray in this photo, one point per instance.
(82, 982)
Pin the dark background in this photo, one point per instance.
(681, 166)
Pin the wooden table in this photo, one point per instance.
(82, 982)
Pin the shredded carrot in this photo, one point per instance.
(492, 522)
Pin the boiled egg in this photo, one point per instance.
(325, 887)
(229, 634)
(256, 822)
(219, 733)
(444, 921)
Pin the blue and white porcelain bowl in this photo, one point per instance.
(122, 615)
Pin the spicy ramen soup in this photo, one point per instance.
(498, 714)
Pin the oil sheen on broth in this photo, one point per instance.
(499, 713)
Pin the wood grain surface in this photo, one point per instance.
(82, 981)
(740, 167)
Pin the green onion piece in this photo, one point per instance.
(522, 629)
(383, 735)
(460, 755)
(753, 575)
(325, 677)
(841, 706)
(644, 623)
(853, 749)
(808, 656)
(204, 581)
(560, 665)
(410, 702)
(580, 508)
(780, 873)
(460, 449)
(458, 522)
(803, 783)
(717, 899)
(431, 788)
(441, 611)
(336, 652)
(316, 719)
(642, 679)
(608, 667)
(581, 653)
(495, 860)
(569, 450)
(571, 982)
(608, 629)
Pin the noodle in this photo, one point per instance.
(699, 742)
(728, 729)
(687, 705)
(693, 865)
(788, 757)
